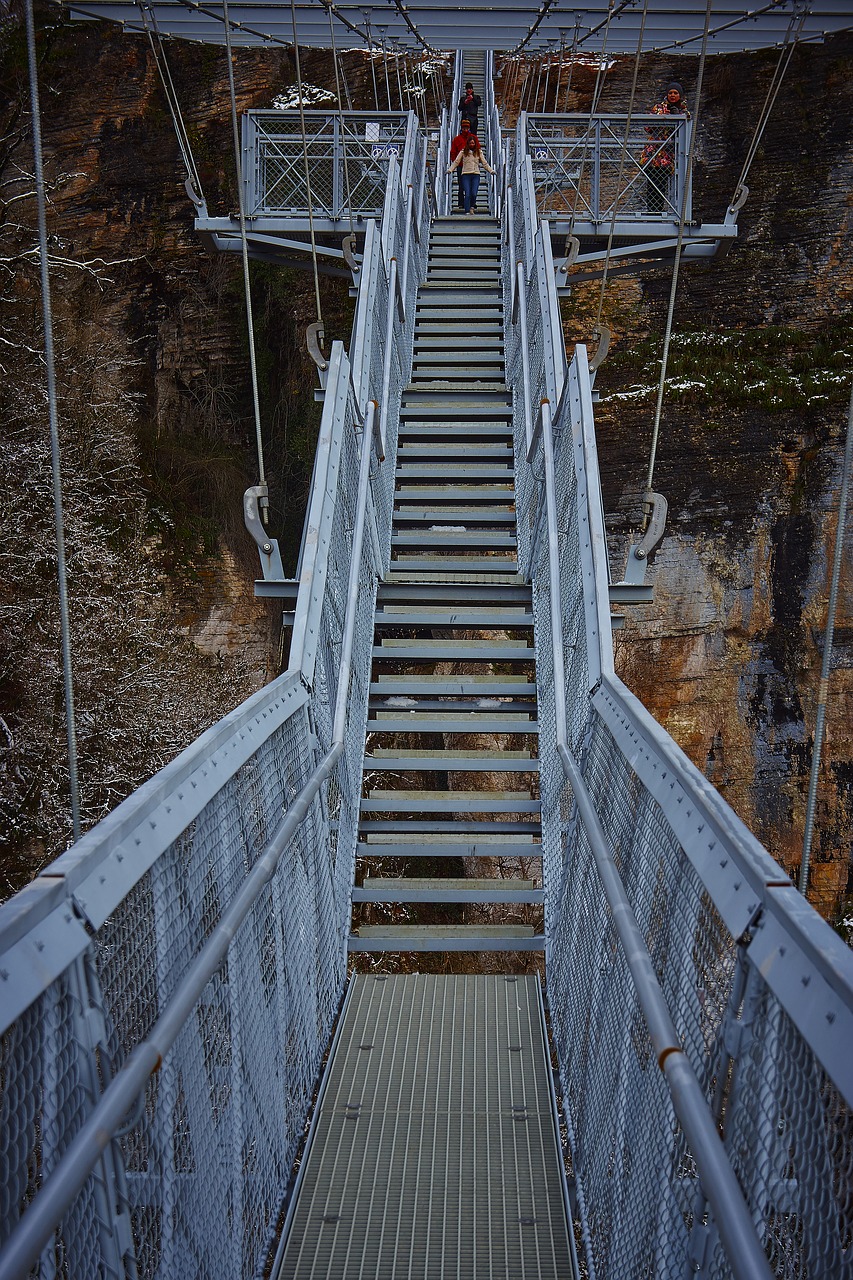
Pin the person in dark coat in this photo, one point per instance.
(658, 159)
(469, 106)
(457, 145)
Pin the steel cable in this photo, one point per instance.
(307, 168)
(823, 688)
(675, 271)
(163, 70)
(53, 414)
(341, 119)
(241, 209)
(622, 156)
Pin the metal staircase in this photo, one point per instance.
(169, 986)
(453, 656)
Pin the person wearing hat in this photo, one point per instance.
(469, 106)
(658, 159)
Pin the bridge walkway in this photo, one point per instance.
(434, 1151)
(450, 772)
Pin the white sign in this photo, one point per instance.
(385, 151)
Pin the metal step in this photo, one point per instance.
(473, 592)
(485, 328)
(466, 686)
(452, 519)
(400, 801)
(446, 889)
(414, 578)
(396, 649)
(381, 759)
(457, 828)
(413, 425)
(475, 539)
(498, 564)
(397, 705)
(415, 721)
(452, 374)
(453, 616)
(453, 412)
(445, 938)
(446, 845)
(444, 452)
(463, 472)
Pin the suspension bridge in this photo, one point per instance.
(194, 1084)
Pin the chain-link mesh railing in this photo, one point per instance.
(187, 957)
(594, 168)
(348, 157)
(758, 989)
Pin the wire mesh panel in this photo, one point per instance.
(597, 167)
(347, 156)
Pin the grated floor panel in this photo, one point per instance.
(435, 1152)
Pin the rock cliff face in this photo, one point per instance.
(155, 419)
(158, 435)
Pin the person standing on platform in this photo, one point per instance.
(469, 106)
(457, 145)
(471, 160)
(658, 160)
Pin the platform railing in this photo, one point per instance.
(168, 985)
(702, 1012)
(348, 157)
(591, 168)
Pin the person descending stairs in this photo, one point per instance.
(453, 650)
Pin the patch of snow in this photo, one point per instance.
(399, 701)
(311, 94)
(448, 528)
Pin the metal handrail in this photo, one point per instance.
(734, 1222)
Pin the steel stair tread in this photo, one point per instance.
(395, 801)
(443, 845)
(450, 761)
(445, 938)
(456, 827)
(420, 723)
(447, 889)
(465, 685)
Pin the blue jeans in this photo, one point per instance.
(470, 187)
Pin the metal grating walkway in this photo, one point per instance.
(434, 1153)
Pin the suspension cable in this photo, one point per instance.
(149, 21)
(382, 30)
(675, 271)
(601, 72)
(307, 169)
(559, 72)
(795, 28)
(241, 209)
(622, 156)
(572, 59)
(50, 367)
(823, 688)
(341, 120)
(366, 13)
(397, 69)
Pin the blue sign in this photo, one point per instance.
(384, 151)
